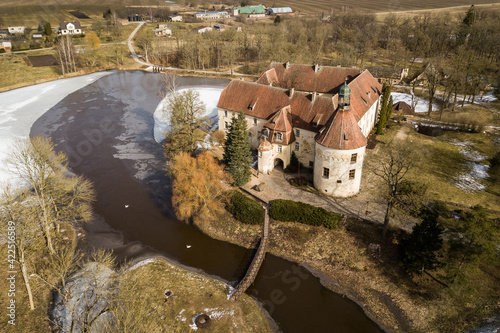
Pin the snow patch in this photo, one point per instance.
(422, 104)
(471, 181)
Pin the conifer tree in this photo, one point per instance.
(384, 110)
(420, 249)
(237, 154)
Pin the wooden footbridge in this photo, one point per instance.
(257, 260)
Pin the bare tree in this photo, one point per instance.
(65, 52)
(393, 169)
(56, 196)
(21, 230)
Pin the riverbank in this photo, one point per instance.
(152, 295)
(342, 260)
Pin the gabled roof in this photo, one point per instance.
(322, 79)
(365, 90)
(281, 122)
(268, 77)
(263, 101)
(342, 132)
(285, 108)
(63, 25)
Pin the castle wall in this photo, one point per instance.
(225, 117)
(369, 119)
(336, 181)
(267, 159)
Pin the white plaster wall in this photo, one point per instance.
(254, 129)
(307, 146)
(367, 122)
(265, 161)
(339, 163)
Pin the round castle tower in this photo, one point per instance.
(339, 151)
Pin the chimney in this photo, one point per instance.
(292, 90)
(316, 68)
(313, 97)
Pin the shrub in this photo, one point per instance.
(291, 211)
(245, 209)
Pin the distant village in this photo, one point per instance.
(37, 36)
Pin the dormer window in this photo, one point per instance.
(346, 136)
(279, 137)
(265, 133)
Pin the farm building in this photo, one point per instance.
(37, 35)
(135, 18)
(6, 45)
(175, 18)
(323, 114)
(249, 10)
(279, 11)
(16, 30)
(202, 29)
(403, 108)
(212, 15)
(162, 30)
(4, 33)
(70, 28)
(219, 27)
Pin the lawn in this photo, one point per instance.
(15, 71)
(143, 288)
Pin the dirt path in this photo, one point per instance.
(402, 133)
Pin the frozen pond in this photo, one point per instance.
(19, 108)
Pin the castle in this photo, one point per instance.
(323, 114)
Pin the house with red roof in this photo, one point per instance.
(322, 113)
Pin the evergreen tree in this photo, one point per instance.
(48, 29)
(237, 154)
(419, 249)
(384, 110)
(389, 109)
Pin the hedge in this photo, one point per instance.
(292, 211)
(245, 209)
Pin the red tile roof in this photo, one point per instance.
(325, 79)
(281, 123)
(268, 77)
(365, 90)
(342, 132)
(337, 129)
(263, 101)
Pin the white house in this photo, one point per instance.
(70, 28)
(16, 30)
(323, 114)
(212, 15)
(202, 29)
(175, 18)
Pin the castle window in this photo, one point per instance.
(279, 137)
(226, 126)
(260, 154)
(311, 164)
(255, 121)
(354, 158)
(280, 149)
(225, 113)
(250, 134)
(297, 146)
(265, 133)
(326, 173)
(297, 132)
(352, 173)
